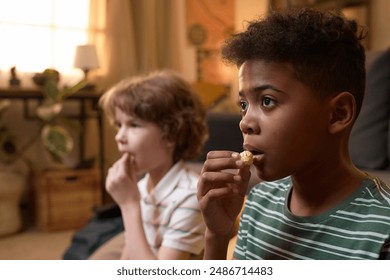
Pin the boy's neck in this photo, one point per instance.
(313, 195)
(156, 175)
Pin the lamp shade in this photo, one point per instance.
(86, 57)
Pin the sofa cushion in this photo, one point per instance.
(224, 133)
(369, 140)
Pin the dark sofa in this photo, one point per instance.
(370, 137)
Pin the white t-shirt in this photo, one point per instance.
(171, 215)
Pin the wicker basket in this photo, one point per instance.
(65, 199)
(12, 186)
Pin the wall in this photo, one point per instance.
(380, 23)
(246, 10)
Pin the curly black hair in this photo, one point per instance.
(323, 47)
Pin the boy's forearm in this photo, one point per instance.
(216, 246)
(136, 246)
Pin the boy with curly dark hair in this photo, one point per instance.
(301, 86)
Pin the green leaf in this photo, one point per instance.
(50, 90)
(73, 89)
(57, 141)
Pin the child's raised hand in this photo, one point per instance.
(221, 192)
(121, 180)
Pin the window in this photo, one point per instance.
(42, 34)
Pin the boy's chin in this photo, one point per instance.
(268, 176)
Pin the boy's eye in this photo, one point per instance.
(134, 124)
(243, 105)
(117, 125)
(268, 102)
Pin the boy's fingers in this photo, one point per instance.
(233, 182)
(213, 195)
(220, 154)
(218, 164)
(214, 180)
(127, 160)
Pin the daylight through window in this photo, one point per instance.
(41, 34)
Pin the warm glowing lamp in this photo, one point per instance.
(86, 58)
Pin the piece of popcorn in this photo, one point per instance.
(247, 157)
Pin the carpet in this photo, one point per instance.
(33, 244)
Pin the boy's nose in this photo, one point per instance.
(249, 124)
(120, 135)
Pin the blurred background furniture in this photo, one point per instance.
(370, 137)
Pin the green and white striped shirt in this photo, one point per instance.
(358, 228)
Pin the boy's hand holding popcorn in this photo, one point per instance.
(221, 192)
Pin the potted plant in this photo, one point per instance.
(54, 135)
(14, 166)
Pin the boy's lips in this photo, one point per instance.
(124, 151)
(257, 154)
(257, 158)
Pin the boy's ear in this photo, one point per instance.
(171, 144)
(343, 111)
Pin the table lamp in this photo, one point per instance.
(86, 58)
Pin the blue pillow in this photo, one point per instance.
(370, 137)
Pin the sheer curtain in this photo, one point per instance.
(140, 36)
(132, 37)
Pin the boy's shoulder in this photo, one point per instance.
(377, 191)
(281, 185)
(272, 191)
(372, 191)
